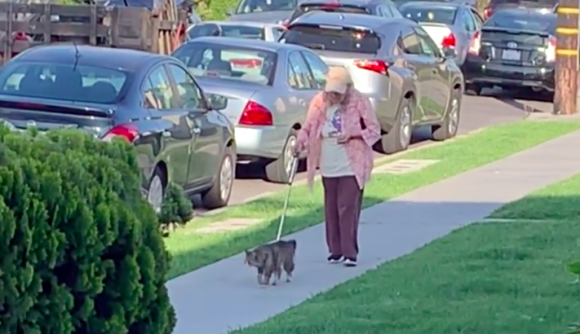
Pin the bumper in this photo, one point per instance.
(253, 143)
(385, 111)
(478, 71)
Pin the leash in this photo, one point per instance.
(293, 170)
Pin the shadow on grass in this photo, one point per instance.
(217, 298)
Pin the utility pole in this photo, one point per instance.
(566, 58)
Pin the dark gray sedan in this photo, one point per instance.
(149, 100)
(268, 87)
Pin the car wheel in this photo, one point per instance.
(156, 189)
(448, 129)
(219, 194)
(473, 89)
(279, 170)
(399, 138)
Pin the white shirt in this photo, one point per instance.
(333, 159)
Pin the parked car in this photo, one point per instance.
(268, 87)
(451, 25)
(268, 11)
(497, 5)
(409, 80)
(382, 8)
(239, 29)
(150, 100)
(517, 48)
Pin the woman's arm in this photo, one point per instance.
(311, 117)
(372, 132)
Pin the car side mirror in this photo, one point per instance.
(449, 53)
(217, 102)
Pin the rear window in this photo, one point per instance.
(78, 83)
(517, 21)
(238, 31)
(332, 7)
(228, 62)
(443, 15)
(258, 6)
(332, 38)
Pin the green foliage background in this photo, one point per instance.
(81, 250)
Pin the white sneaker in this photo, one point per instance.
(335, 259)
(350, 262)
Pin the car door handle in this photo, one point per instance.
(166, 134)
(196, 131)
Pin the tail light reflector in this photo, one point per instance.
(551, 50)
(125, 131)
(448, 41)
(256, 114)
(475, 44)
(377, 66)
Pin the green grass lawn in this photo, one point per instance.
(192, 250)
(487, 278)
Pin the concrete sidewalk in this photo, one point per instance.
(224, 296)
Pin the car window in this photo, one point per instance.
(80, 83)
(409, 42)
(299, 75)
(276, 33)
(426, 14)
(318, 68)
(394, 11)
(190, 96)
(203, 29)
(477, 18)
(428, 46)
(157, 91)
(258, 6)
(467, 21)
(343, 39)
(330, 7)
(228, 62)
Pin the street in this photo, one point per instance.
(494, 107)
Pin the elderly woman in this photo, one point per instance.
(338, 135)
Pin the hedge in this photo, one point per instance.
(80, 249)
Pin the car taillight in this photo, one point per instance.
(256, 114)
(487, 13)
(551, 49)
(475, 44)
(378, 66)
(331, 5)
(126, 131)
(448, 41)
(20, 36)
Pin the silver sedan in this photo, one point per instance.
(267, 86)
(238, 29)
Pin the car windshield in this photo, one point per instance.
(423, 14)
(258, 6)
(81, 83)
(343, 39)
(239, 31)
(531, 21)
(228, 62)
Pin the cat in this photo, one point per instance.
(271, 259)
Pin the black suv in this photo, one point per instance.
(496, 5)
(383, 8)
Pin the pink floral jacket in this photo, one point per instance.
(355, 110)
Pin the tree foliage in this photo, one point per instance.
(81, 250)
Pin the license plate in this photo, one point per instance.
(511, 55)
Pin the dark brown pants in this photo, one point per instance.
(342, 205)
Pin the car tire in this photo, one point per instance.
(219, 194)
(473, 89)
(448, 128)
(399, 138)
(278, 171)
(156, 189)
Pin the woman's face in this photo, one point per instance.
(334, 97)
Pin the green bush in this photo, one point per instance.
(80, 249)
(176, 207)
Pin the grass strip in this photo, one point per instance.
(498, 278)
(192, 250)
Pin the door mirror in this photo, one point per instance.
(449, 53)
(217, 102)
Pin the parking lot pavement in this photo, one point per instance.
(495, 107)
